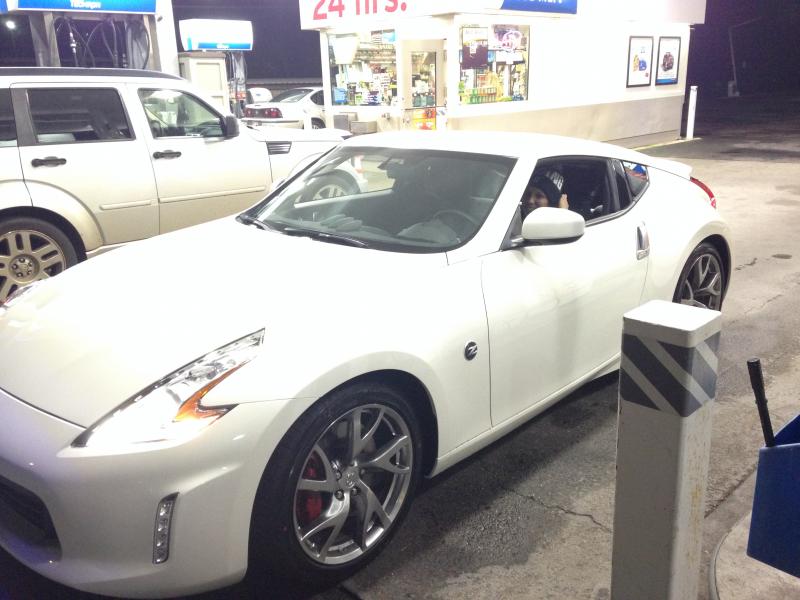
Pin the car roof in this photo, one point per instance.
(501, 143)
(82, 73)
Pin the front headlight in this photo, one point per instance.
(170, 409)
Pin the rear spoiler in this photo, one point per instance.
(670, 166)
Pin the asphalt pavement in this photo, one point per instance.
(531, 517)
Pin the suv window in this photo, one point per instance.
(67, 115)
(172, 113)
(8, 129)
(318, 98)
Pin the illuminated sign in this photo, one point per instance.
(117, 6)
(215, 34)
(553, 6)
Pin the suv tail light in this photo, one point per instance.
(249, 112)
(711, 199)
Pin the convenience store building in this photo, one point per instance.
(613, 70)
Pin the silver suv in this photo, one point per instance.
(94, 158)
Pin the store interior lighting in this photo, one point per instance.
(11, 24)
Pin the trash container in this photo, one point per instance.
(775, 525)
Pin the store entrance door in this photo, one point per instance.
(423, 88)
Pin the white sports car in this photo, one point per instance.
(266, 390)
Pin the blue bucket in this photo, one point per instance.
(775, 525)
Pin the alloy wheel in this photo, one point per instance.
(353, 484)
(703, 283)
(26, 256)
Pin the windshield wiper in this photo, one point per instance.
(324, 236)
(251, 220)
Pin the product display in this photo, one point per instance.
(494, 64)
(364, 69)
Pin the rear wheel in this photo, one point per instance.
(702, 281)
(317, 124)
(336, 488)
(31, 249)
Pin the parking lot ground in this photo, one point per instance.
(531, 517)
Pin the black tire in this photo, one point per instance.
(697, 289)
(279, 562)
(52, 252)
(317, 124)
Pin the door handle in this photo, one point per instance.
(49, 161)
(642, 242)
(167, 154)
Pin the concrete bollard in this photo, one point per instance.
(668, 380)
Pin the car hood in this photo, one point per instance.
(80, 344)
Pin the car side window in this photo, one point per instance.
(8, 129)
(173, 113)
(637, 177)
(623, 191)
(318, 98)
(72, 115)
(584, 181)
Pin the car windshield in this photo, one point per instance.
(294, 95)
(389, 199)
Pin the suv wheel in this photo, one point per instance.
(31, 249)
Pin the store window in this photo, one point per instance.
(494, 63)
(67, 115)
(363, 69)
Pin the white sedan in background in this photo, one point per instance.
(164, 435)
(292, 108)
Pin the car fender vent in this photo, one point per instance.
(279, 147)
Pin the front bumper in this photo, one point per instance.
(103, 506)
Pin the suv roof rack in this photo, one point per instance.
(81, 72)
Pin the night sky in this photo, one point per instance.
(281, 49)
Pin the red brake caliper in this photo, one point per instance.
(309, 504)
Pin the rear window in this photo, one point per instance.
(8, 130)
(637, 177)
(293, 95)
(68, 115)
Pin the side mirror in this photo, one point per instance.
(547, 225)
(230, 127)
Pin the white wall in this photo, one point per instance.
(577, 62)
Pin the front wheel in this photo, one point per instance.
(336, 488)
(31, 249)
(702, 281)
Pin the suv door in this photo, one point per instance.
(82, 159)
(201, 174)
(12, 187)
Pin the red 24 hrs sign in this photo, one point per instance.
(317, 14)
